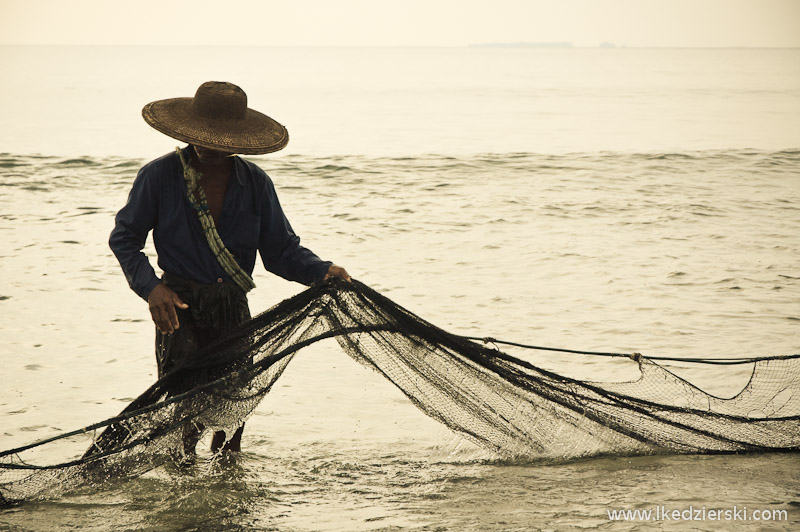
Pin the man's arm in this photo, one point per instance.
(280, 247)
(133, 223)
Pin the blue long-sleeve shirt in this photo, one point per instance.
(251, 220)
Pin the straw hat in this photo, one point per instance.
(217, 118)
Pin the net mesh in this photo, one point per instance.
(498, 401)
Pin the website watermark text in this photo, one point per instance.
(665, 513)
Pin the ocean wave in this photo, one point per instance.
(431, 170)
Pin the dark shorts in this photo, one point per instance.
(213, 311)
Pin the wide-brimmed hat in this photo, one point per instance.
(217, 118)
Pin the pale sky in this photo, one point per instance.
(692, 23)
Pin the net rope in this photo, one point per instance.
(500, 402)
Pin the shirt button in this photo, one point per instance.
(219, 280)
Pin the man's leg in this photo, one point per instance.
(235, 443)
(172, 350)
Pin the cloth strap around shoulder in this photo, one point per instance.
(198, 201)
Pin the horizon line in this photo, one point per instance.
(488, 45)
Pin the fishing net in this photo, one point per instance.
(498, 401)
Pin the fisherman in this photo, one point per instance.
(210, 211)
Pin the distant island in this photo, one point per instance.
(523, 45)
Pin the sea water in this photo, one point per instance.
(612, 200)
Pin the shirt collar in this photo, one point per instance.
(237, 163)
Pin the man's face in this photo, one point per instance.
(208, 156)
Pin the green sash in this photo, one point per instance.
(197, 198)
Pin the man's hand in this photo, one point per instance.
(162, 301)
(337, 271)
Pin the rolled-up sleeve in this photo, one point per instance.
(132, 225)
(280, 247)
